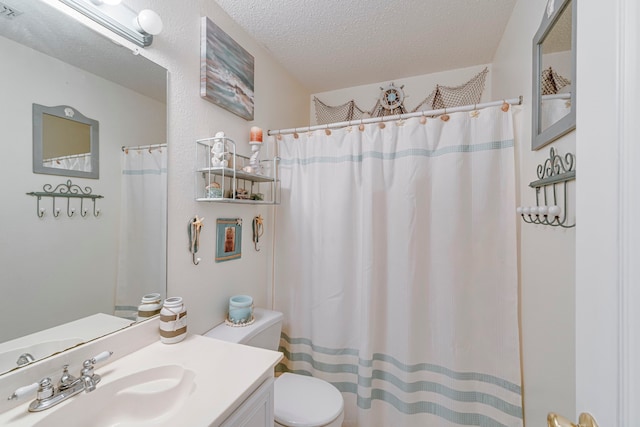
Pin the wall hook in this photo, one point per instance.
(69, 191)
(195, 225)
(257, 225)
(71, 211)
(39, 210)
(555, 171)
(56, 211)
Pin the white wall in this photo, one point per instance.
(607, 242)
(280, 102)
(547, 254)
(42, 261)
(416, 89)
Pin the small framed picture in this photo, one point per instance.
(228, 239)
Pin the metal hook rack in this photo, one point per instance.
(555, 171)
(68, 191)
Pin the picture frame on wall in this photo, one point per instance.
(226, 71)
(228, 239)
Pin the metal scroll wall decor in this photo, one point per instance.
(553, 176)
(67, 191)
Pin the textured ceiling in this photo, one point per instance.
(333, 44)
(49, 31)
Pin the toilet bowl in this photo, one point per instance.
(299, 400)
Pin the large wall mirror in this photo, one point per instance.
(554, 74)
(69, 279)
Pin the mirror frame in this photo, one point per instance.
(567, 123)
(62, 111)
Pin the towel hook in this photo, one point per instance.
(195, 225)
(257, 226)
(71, 211)
(56, 211)
(83, 211)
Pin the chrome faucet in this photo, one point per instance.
(25, 358)
(48, 395)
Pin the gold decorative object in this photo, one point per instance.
(585, 420)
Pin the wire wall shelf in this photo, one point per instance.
(551, 201)
(67, 191)
(224, 176)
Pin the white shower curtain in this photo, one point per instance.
(396, 269)
(143, 228)
(74, 162)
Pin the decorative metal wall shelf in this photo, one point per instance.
(554, 172)
(67, 191)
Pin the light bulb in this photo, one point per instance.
(526, 210)
(519, 210)
(533, 210)
(149, 22)
(554, 210)
(543, 210)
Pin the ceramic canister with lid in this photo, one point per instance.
(150, 305)
(173, 321)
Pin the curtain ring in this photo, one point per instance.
(445, 116)
(327, 131)
(505, 106)
(475, 113)
(361, 126)
(423, 118)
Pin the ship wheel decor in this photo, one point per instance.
(392, 99)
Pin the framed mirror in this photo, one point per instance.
(554, 74)
(65, 142)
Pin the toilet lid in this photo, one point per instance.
(303, 401)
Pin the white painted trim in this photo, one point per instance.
(629, 128)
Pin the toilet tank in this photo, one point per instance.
(264, 332)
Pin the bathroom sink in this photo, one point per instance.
(139, 399)
(9, 358)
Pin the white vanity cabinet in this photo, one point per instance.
(256, 411)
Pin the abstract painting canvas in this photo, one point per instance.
(226, 71)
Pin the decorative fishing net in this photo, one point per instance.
(332, 114)
(468, 93)
(552, 82)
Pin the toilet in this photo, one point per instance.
(299, 400)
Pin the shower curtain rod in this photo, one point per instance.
(511, 101)
(144, 147)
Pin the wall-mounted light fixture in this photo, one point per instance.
(138, 28)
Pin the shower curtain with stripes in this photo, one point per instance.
(143, 228)
(396, 269)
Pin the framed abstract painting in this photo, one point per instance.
(226, 71)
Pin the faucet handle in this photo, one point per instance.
(24, 391)
(101, 357)
(45, 388)
(87, 365)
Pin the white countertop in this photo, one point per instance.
(225, 375)
(58, 338)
